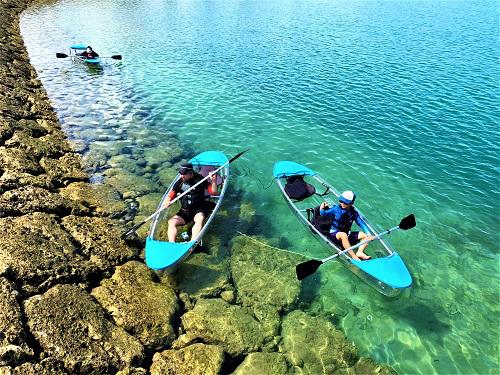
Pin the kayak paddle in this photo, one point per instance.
(63, 55)
(308, 268)
(135, 227)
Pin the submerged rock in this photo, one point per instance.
(262, 275)
(232, 327)
(202, 275)
(99, 239)
(197, 359)
(71, 327)
(369, 366)
(314, 345)
(35, 249)
(101, 199)
(128, 184)
(264, 364)
(13, 346)
(140, 305)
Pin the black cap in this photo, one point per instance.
(186, 168)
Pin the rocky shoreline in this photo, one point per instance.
(75, 299)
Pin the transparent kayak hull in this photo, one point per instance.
(387, 273)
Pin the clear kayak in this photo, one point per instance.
(164, 255)
(76, 49)
(386, 272)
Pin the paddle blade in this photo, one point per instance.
(307, 268)
(408, 222)
(116, 57)
(237, 156)
(61, 55)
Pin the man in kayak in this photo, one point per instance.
(89, 53)
(343, 215)
(194, 207)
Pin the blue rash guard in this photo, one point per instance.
(343, 219)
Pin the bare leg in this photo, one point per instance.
(198, 224)
(342, 236)
(361, 250)
(172, 227)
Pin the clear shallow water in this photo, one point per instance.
(396, 100)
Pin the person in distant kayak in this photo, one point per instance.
(343, 215)
(194, 206)
(89, 53)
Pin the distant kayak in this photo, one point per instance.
(387, 273)
(77, 49)
(164, 255)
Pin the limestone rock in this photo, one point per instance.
(263, 279)
(369, 366)
(47, 366)
(315, 345)
(140, 305)
(64, 170)
(202, 275)
(16, 160)
(100, 240)
(10, 180)
(264, 364)
(101, 199)
(166, 152)
(35, 249)
(230, 326)
(13, 346)
(197, 359)
(28, 199)
(52, 145)
(72, 328)
(129, 183)
(132, 371)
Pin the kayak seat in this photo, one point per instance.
(296, 188)
(206, 169)
(321, 223)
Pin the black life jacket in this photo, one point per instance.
(196, 196)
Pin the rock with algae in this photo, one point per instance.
(196, 359)
(35, 248)
(202, 276)
(314, 346)
(264, 364)
(139, 304)
(233, 327)
(99, 239)
(71, 327)
(13, 346)
(263, 275)
(103, 200)
(29, 199)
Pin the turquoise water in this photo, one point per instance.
(397, 100)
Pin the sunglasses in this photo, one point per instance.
(347, 204)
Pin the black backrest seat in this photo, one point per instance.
(321, 223)
(296, 188)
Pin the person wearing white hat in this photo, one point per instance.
(343, 216)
